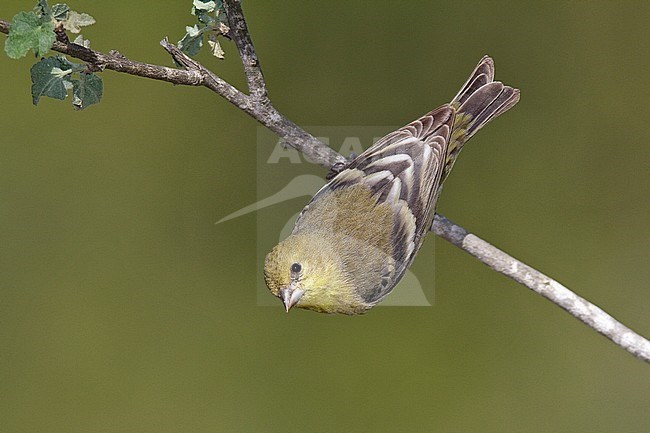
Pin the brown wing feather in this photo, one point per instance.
(403, 170)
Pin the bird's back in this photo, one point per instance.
(378, 210)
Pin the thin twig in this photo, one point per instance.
(116, 62)
(239, 33)
(195, 74)
(543, 285)
(264, 112)
(260, 108)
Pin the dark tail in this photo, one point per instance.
(480, 100)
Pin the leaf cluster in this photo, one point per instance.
(34, 30)
(54, 76)
(211, 21)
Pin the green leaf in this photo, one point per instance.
(79, 40)
(192, 41)
(205, 18)
(215, 49)
(72, 21)
(60, 11)
(27, 32)
(43, 10)
(49, 78)
(221, 13)
(205, 5)
(87, 90)
(75, 21)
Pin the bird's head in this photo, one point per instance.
(304, 271)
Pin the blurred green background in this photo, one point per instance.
(123, 308)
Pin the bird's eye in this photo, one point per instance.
(296, 268)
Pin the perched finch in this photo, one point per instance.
(357, 236)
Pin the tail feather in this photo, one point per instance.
(487, 103)
(480, 100)
(506, 100)
(482, 74)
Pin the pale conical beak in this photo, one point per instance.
(290, 297)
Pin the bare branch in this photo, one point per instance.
(315, 150)
(208, 78)
(258, 106)
(196, 74)
(239, 33)
(543, 285)
(116, 62)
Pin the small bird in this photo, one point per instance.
(357, 236)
